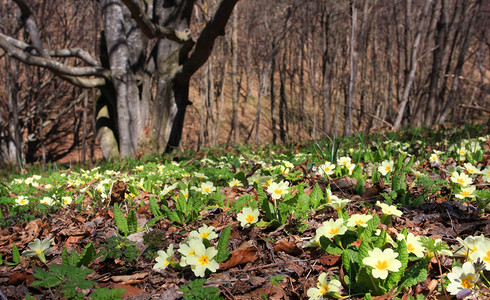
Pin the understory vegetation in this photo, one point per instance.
(399, 214)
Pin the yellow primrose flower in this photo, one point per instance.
(185, 193)
(344, 161)
(331, 228)
(382, 261)
(338, 203)
(462, 153)
(187, 250)
(21, 200)
(359, 220)
(324, 288)
(413, 244)
(471, 169)
(389, 209)
(350, 168)
(66, 200)
(204, 232)
(466, 192)
(386, 166)
(200, 176)
(486, 174)
(164, 258)
(326, 169)
(482, 252)
(278, 190)
(461, 278)
(202, 259)
(467, 246)
(434, 158)
(39, 248)
(235, 182)
(248, 216)
(461, 178)
(47, 200)
(206, 188)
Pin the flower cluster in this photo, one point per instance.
(193, 251)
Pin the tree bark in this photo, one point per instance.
(133, 118)
(234, 78)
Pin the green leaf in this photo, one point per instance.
(153, 221)
(316, 196)
(64, 256)
(376, 175)
(372, 226)
(240, 175)
(120, 219)
(132, 222)
(45, 279)
(171, 215)
(74, 258)
(415, 274)
(394, 278)
(380, 241)
(328, 246)
(107, 294)
(357, 174)
(88, 255)
(224, 239)
(364, 250)
(266, 206)
(349, 260)
(15, 254)
(181, 203)
(155, 209)
(366, 282)
(399, 184)
(1, 259)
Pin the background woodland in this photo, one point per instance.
(285, 71)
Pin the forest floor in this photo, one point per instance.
(266, 262)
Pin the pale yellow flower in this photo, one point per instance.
(461, 278)
(382, 261)
(278, 190)
(359, 220)
(389, 209)
(461, 178)
(324, 288)
(386, 166)
(331, 228)
(248, 216)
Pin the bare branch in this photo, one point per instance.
(30, 24)
(204, 46)
(50, 120)
(46, 62)
(75, 52)
(152, 30)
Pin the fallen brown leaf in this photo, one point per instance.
(244, 254)
(287, 245)
(130, 279)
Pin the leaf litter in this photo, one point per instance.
(258, 254)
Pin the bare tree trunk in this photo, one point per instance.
(413, 67)
(84, 125)
(14, 147)
(273, 92)
(352, 73)
(262, 79)
(459, 65)
(282, 101)
(234, 78)
(438, 55)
